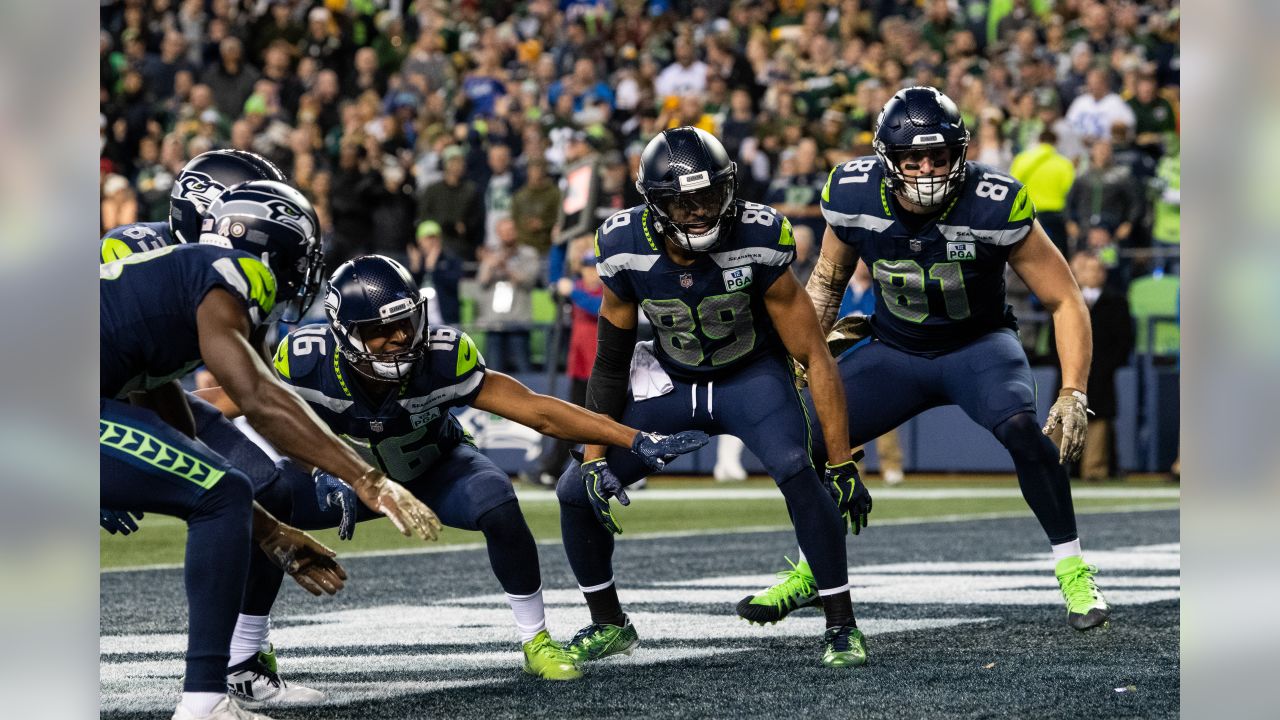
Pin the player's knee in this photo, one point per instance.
(233, 493)
(276, 497)
(504, 521)
(789, 463)
(1022, 437)
(570, 489)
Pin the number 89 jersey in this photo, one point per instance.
(709, 317)
(941, 286)
(404, 433)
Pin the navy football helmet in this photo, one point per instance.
(272, 221)
(205, 178)
(689, 184)
(922, 122)
(371, 292)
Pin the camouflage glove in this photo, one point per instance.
(305, 559)
(847, 332)
(602, 484)
(118, 521)
(408, 513)
(658, 450)
(331, 492)
(1070, 411)
(849, 492)
(799, 375)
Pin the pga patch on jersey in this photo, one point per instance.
(422, 418)
(961, 251)
(737, 278)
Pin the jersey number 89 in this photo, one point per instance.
(720, 316)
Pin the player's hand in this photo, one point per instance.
(118, 521)
(332, 492)
(305, 559)
(658, 450)
(1070, 411)
(799, 375)
(847, 332)
(602, 484)
(409, 515)
(850, 493)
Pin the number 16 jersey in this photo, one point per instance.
(941, 286)
(709, 318)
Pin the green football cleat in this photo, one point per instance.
(549, 660)
(846, 647)
(796, 589)
(597, 641)
(1086, 607)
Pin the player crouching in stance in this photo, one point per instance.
(937, 243)
(165, 311)
(385, 381)
(711, 272)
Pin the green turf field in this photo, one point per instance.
(160, 539)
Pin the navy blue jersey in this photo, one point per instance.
(126, 240)
(708, 317)
(942, 286)
(404, 433)
(148, 307)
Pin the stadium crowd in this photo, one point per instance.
(482, 142)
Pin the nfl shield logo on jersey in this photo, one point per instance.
(686, 280)
(737, 278)
(915, 244)
(375, 425)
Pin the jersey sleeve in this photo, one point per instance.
(616, 256)
(123, 241)
(854, 198)
(456, 364)
(772, 244)
(249, 279)
(1000, 211)
(300, 354)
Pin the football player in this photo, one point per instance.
(165, 311)
(712, 274)
(385, 381)
(937, 232)
(253, 671)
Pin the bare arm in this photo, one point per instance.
(506, 396)
(797, 324)
(622, 315)
(1046, 273)
(830, 277)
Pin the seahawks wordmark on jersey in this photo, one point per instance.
(404, 433)
(940, 286)
(709, 317)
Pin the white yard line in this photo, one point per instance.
(461, 547)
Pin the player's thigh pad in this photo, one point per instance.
(223, 437)
(990, 379)
(148, 465)
(761, 406)
(463, 485)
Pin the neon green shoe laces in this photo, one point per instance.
(1078, 587)
(548, 659)
(795, 587)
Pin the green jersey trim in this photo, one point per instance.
(157, 453)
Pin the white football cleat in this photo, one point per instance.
(729, 460)
(893, 477)
(255, 683)
(226, 709)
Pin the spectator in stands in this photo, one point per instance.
(432, 266)
(1167, 226)
(506, 276)
(322, 41)
(1094, 111)
(687, 75)
(1155, 120)
(455, 204)
(394, 208)
(1048, 176)
(797, 193)
(1112, 344)
(1104, 196)
(536, 206)
(500, 186)
(351, 202)
(119, 204)
(231, 79)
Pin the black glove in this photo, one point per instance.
(118, 521)
(658, 450)
(850, 493)
(602, 484)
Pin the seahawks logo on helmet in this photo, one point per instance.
(198, 188)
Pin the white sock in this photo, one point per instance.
(1066, 550)
(531, 615)
(201, 703)
(249, 637)
(802, 557)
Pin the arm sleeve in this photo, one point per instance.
(826, 288)
(607, 388)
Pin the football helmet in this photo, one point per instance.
(205, 178)
(369, 292)
(276, 223)
(689, 184)
(916, 122)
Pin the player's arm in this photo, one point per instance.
(830, 277)
(286, 421)
(1045, 271)
(797, 324)
(610, 375)
(307, 560)
(504, 395)
(170, 403)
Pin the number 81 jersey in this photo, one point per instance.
(940, 285)
(708, 317)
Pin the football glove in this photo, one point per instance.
(847, 332)
(1070, 411)
(118, 521)
(658, 450)
(407, 513)
(849, 492)
(332, 492)
(305, 559)
(602, 484)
